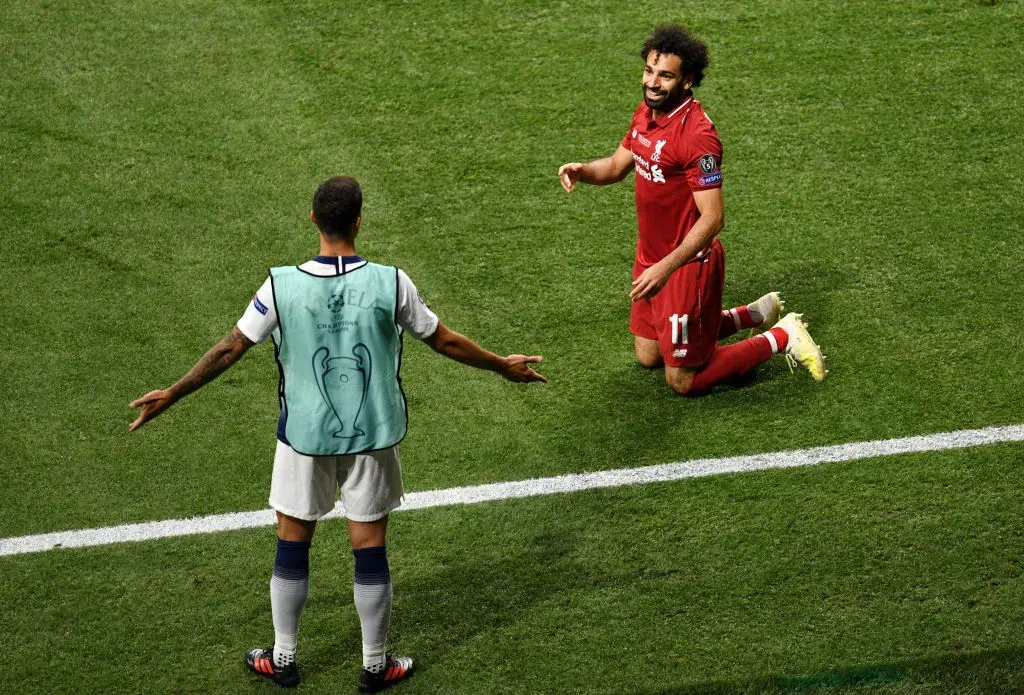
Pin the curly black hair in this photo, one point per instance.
(677, 40)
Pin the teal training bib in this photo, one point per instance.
(339, 350)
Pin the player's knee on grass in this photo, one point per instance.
(680, 379)
(647, 353)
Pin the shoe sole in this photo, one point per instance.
(771, 313)
(771, 317)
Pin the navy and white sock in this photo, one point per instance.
(373, 593)
(289, 587)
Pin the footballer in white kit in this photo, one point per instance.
(337, 322)
(370, 483)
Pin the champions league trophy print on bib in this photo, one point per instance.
(343, 383)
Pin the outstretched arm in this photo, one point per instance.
(211, 365)
(461, 349)
(599, 172)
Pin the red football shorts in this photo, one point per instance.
(684, 317)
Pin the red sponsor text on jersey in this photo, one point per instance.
(674, 155)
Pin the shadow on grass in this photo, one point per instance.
(990, 672)
(467, 596)
(631, 417)
(473, 596)
(626, 415)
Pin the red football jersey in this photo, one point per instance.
(675, 155)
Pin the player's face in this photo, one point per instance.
(664, 84)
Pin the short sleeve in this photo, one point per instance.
(412, 312)
(703, 159)
(627, 139)
(260, 317)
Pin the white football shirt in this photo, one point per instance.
(412, 314)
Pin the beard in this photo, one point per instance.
(667, 101)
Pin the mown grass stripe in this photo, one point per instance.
(696, 468)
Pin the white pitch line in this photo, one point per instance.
(537, 486)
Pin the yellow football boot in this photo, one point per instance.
(769, 308)
(801, 348)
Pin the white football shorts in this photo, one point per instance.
(306, 487)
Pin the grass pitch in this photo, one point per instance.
(156, 158)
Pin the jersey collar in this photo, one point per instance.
(688, 101)
(342, 264)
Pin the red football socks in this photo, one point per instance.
(734, 320)
(730, 361)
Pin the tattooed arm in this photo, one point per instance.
(216, 360)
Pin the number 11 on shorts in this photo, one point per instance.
(679, 328)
